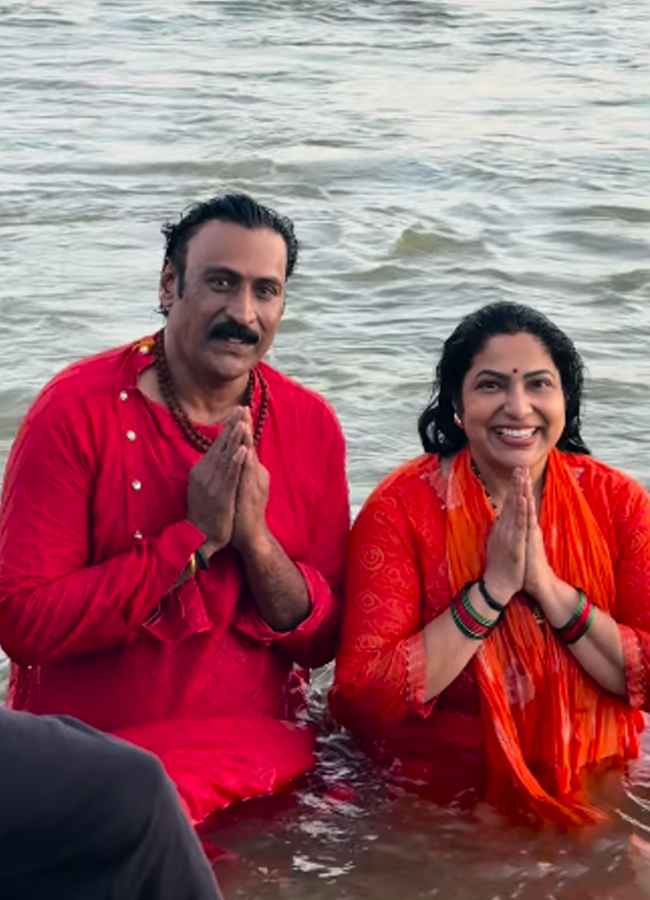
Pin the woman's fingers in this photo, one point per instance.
(521, 516)
(531, 515)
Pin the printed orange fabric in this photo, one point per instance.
(545, 723)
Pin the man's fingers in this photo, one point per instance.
(230, 426)
(247, 421)
(233, 469)
(225, 446)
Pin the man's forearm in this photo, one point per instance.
(47, 614)
(277, 586)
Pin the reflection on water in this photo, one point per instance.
(344, 834)
(435, 156)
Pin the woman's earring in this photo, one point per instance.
(458, 421)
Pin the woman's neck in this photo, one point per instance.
(496, 483)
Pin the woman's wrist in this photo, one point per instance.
(557, 600)
(496, 588)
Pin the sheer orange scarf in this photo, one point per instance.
(548, 723)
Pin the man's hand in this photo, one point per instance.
(249, 526)
(213, 484)
(505, 552)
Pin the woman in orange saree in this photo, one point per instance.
(496, 634)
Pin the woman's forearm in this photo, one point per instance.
(600, 650)
(447, 649)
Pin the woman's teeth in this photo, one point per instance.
(516, 433)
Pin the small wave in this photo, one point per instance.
(422, 243)
(633, 214)
(603, 244)
(384, 274)
(627, 282)
(177, 168)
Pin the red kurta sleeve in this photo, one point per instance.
(53, 602)
(380, 666)
(632, 573)
(313, 642)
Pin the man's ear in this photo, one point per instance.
(167, 287)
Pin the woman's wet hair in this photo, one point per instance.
(438, 431)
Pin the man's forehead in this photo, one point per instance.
(217, 239)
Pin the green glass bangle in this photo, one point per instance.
(478, 618)
(462, 627)
(582, 602)
(585, 628)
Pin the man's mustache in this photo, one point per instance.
(226, 330)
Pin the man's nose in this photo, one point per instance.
(242, 304)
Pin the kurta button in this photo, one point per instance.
(124, 395)
(137, 535)
(130, 435)
(136, 485)
(144, 348)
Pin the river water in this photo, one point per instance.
(435, 156)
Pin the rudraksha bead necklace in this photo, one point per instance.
(190, 432)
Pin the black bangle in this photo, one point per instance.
(489, 599)
(202, 560)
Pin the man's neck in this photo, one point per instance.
(205, 404)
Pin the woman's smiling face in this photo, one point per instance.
(512, 405)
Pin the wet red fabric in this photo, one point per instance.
(92, 539)
(523, 722)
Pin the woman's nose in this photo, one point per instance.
(517, 401)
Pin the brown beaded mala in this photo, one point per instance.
(190, 432)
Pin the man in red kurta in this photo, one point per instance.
(173, 525)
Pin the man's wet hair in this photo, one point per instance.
(239, 209)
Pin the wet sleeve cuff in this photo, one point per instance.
(416, 663)
(633, 658)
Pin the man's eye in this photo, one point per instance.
(221, 283)
(267, 290)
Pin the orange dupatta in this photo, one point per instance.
(548, 722)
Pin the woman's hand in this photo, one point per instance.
(505, 553)
(539, 577)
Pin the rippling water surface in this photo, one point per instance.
(435, 156)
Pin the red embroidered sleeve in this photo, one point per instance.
(53, 604)
(380, 668)
(632, 573)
